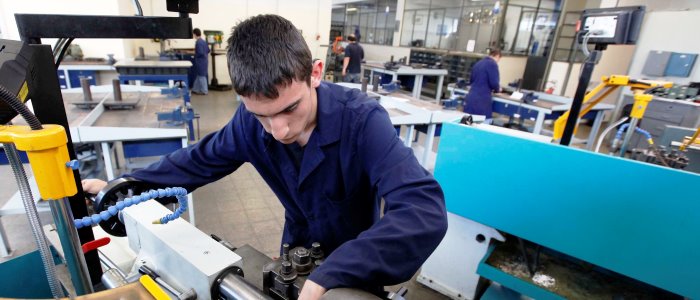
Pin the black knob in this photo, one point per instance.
(316, 251)
(285, 252)
(286, 268)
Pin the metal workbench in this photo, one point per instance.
(547, 107)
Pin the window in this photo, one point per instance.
(371, 20)
(461, 25)
(529, 26)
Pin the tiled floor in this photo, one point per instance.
(240, 207)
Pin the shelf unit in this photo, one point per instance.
(458, 65)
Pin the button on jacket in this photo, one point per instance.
(352, 160)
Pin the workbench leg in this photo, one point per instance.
(371, 77)
(68, 84)
(409, 136)
(538, 122)
(107, 157)
(428, 145)
(4, 245)
(438, 94)
(599, 116)
(417, 86)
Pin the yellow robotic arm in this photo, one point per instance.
(608, 85)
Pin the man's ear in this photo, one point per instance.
(316, 73)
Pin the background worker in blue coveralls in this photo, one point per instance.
(352, 62)
(201, 64)
(484, 80)
(329, 154)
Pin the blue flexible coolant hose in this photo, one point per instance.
(178, 192)
(624, 127)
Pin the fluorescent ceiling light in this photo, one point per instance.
(351, 9)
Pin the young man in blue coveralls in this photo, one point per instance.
(484, 80)
(329, 153)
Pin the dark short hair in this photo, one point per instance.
(197, 32)
(266, 52)
(352, 38)
(495, 52)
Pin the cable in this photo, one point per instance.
(607, 130)
(63, 52)
(584, 44)
(113, 210)
(20, 108)
(58, 46)
(139, 11)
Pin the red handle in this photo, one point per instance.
(92, 245)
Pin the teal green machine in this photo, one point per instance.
(612, 221)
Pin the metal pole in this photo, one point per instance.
(72, 251)
(628, 135)
(583, 81)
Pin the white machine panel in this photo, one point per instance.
(180, 253)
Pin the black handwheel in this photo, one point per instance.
(115, 191)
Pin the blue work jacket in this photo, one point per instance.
(352, 160)
(484, 80)
(201, 59)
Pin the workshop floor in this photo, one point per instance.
(240, 207)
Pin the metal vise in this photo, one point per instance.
(177, 116)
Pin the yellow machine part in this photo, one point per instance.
(153, 288)
(607, 85)
(641, 101)
(48, 155)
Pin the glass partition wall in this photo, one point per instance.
(518, 27)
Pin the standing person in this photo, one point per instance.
(352, 63)
(201, 64)
(329, 153)
(484, 80)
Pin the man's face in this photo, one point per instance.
(289, 118)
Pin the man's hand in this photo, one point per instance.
(311, 291)
(93, 186)
(344, 73)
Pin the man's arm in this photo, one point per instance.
(212, 158)
(346, 62)
(414, 221)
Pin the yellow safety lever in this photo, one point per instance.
(48, 156)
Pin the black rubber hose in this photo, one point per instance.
(20, 108)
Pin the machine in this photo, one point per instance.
(580, 225)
